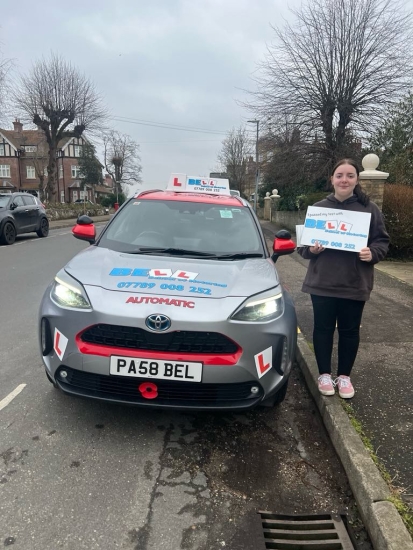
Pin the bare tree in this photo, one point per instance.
(121, 159)
(62, 103)
(336, 69)
(5, 65)
(233, 157)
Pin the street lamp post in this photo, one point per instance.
(257, 170)
(117, 161)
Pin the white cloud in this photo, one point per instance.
(179, 62)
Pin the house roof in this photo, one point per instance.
(32, 137)
(103, 189)
(27, 137)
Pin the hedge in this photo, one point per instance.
(398, 215)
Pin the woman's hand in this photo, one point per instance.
(317, 248)
(365, 254)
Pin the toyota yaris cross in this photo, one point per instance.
(176, 304)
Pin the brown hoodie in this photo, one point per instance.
(341, 274)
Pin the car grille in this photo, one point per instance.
(175, 393)
(182, 341)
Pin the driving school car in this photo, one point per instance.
(176, 304)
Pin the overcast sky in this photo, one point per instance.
(171, 62)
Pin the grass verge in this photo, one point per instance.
(403, 509)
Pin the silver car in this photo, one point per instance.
(176, 304)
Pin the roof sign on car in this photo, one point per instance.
(197, 184)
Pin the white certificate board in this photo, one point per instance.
(336, 228)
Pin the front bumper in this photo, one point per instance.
(229, 381)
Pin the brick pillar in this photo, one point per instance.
(267, 207)
(372, 180)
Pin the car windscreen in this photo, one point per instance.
(4, 200)
(192, 226)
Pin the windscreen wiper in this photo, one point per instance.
(172, 251)
(239, 256)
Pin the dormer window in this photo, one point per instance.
(2, 152)
(78, 150)
(30, 148)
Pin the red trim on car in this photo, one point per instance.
(227, 359)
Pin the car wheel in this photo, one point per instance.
(276, 399)
(9, 234)
(44, 228)
(51, 380)
(280, 395)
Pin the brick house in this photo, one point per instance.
(24, 158)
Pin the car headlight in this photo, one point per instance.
(264, 309)
(69, 293)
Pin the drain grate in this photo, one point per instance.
(305, 532)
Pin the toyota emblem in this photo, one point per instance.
(158, 322)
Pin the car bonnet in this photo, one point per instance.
(116, 271)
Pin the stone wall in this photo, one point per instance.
(288, 220)
(67, 212)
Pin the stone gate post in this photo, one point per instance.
(372, 180)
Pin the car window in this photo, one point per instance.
(18, 201)
(4, 200)
(202, 227)
(29, 200)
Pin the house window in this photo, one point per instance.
(78, 150)
(30, 148)
(45, 172)
(83, 195)
(31, 172)
(61, 171)
(75, 197)
(62, 196)
(2, 152)
(75, 172)
(4, 170)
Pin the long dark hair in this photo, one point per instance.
(358, 191)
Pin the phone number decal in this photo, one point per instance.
(164, 286)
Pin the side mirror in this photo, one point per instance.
(84, 220)
(13, 206)
(283, 244)
(85, 230)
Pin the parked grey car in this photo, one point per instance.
(176, 304)
(21, 213)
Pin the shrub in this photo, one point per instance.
(398, 216)
(110, 200)
(289, 194)
(303, 201)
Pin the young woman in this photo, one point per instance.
(340, 282)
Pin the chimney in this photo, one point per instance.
(18, 126)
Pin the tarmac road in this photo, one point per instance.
(78, 474)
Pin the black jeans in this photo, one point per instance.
(347, 315)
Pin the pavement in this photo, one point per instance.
(383, 402)
(59, 224)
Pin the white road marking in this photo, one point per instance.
(4, 402)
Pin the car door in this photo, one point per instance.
(34, 212)
(20, 213)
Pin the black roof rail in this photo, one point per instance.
(146, 191)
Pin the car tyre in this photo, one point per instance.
(51, 380)
(44, 228)
(9, 234)
(276, 399)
